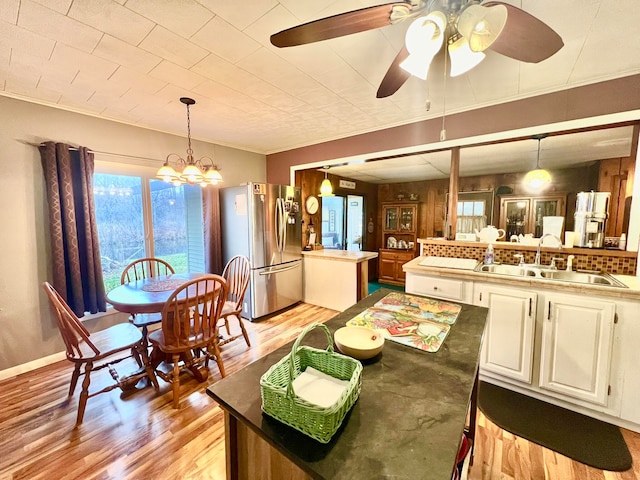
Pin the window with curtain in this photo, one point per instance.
(141, 217)
(471, 216)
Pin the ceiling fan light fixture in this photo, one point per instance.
(481, 26)
(462, 57)
(423, 40)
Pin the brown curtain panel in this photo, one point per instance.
(212, 230)
(77, 271)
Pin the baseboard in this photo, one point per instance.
(33, 365)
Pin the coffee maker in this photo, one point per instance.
(592, 211)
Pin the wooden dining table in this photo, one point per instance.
(149, 295)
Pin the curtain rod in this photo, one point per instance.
(101, 153)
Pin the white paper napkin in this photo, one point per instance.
(319, 388)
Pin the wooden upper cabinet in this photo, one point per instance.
(524, 214)
(399, 226)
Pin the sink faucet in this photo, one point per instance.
(537, 259)
(570, 263)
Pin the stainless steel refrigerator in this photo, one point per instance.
(263, 222)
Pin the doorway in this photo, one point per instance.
(342, 222)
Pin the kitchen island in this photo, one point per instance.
(336, 279)
(406, 424)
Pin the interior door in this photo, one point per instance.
(343, 222)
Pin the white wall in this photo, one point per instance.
(27, 328)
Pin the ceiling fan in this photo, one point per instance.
(467, 26)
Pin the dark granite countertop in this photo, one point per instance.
(408, 420)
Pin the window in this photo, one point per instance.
(128, 206)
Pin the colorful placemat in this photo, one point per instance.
(417, 322)
(163, 285)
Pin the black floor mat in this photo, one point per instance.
(576, 436)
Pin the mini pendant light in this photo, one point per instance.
(326, 189)
(537, 179)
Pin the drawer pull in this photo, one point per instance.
(435, 288)
(530, 305)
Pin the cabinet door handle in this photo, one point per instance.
(530, 305)
(480, 296)
(549, 312)
(435, 288)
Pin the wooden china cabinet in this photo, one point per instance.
(399, 240)
(524, 214)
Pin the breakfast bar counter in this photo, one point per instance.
(407, 423)
(336, 279)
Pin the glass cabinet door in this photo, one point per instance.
(406, 219)
(543, 208)
(515, 213)
(391, 219)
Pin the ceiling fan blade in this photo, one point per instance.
(338, 25)
(524, 37)
(395, 76)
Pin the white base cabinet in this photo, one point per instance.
(556, 344)
(507, 347)
(577, 338)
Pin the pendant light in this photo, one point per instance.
(537, 179)
(326, 189)
(189, 171)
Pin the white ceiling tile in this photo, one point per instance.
(123, 53)
(240, 15)
(111, 18)
(60, 6)
(173, 47)
(71, 58)
(9, 11)
(33, 67)
(28, 87)
(53, 25)
(23, 40)
(185, 17)
(137, 82)
(172, 73)
(223, 39)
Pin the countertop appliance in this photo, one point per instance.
(592, 210)
(264, 222)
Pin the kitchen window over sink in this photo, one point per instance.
(139, 216)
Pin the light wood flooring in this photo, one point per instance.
(141, 436)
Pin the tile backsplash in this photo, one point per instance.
(583, 259)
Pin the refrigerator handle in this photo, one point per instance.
(279, 270)
(276, 223)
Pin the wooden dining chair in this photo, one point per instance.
(138, 270)
(90, 352)
(236, 273)
(189, 335)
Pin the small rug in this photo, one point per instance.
(584, 439)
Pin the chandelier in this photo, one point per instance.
(190, 172)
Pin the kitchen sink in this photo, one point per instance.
(513, 270)
(583, 277)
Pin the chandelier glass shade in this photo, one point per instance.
(201, 172)
(539, 178)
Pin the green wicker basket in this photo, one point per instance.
(280, 402)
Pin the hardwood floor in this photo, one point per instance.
(141, 436)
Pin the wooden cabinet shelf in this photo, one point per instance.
(399, 236)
